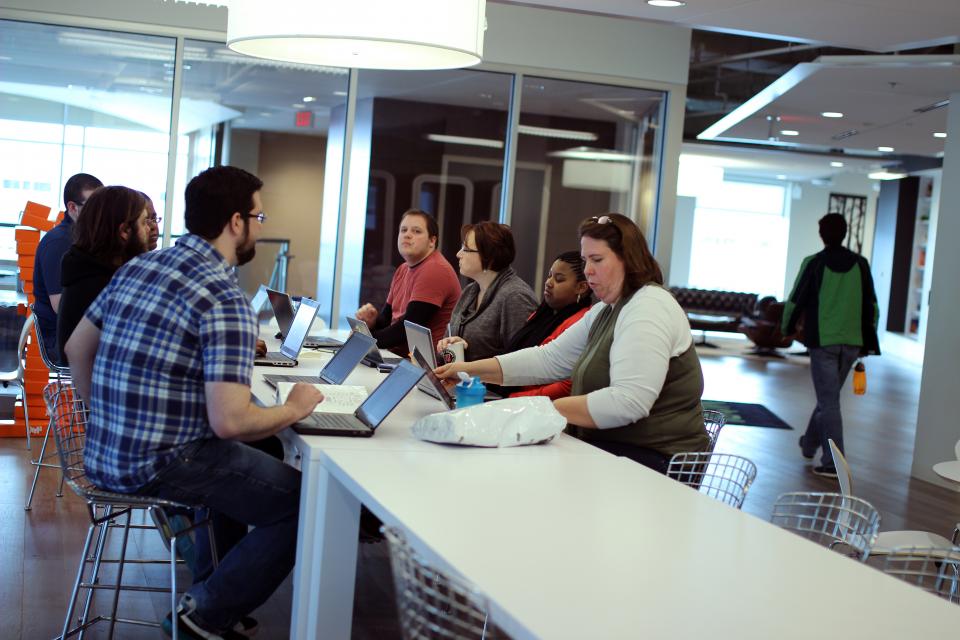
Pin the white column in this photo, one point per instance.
(938, 422)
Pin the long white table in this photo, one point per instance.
(569, 542)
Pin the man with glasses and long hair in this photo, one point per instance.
(46, 266)
(164, 358)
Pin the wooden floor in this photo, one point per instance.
(39, 549)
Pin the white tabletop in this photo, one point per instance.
(600, 547)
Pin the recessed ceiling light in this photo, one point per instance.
(309, 99)
(940, 134)
(665, 3)
(340, 93)
(832, 114)
(886, 175)
(299, 105)
(885, 149)
(836, 164)
(789, 132)
(780, 176)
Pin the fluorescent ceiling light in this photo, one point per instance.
(309, 99)
(940, 134)
(588, 153)
(931, 107)
(665, 3)
(832, 114)
(474, 142)
(780, 176)
(376, 34)
(789, 132)
(886, 175)
(836, 164)
(563, 134)
(885, 149)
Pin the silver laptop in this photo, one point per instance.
(259, 299)
(337, 369)
(368, 416)
(373, 358)
(438, 390)
(421, 338)
(293, 342)
(283, 311)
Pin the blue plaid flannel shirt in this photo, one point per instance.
(170, 321)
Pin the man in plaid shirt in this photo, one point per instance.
(164, 357)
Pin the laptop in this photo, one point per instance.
(437, 388)
(337, 369)
(419, 338)
(373, 358)
(283, 311)
(259, 299)
(365, 420)
(293, 342)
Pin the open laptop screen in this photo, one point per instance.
(282, 310)
(347, 358)
(389, 394)
(293, 341)
(419, 337)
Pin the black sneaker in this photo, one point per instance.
(803, 450)
(188, 629)
(825, 471)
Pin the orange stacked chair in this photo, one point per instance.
(36, 218)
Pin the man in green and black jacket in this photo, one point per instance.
(834, 297)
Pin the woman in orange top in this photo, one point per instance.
(566, 297)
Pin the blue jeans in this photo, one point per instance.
(240, 484)
(829, 367)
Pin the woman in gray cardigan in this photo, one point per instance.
(497, 302)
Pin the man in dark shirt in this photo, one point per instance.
(46, 265)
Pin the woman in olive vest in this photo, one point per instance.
(636, 377)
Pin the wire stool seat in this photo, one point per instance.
(830, 520)
(933, 569)
(723, 476)
(713, 422)
(106, 509)
(57, 372)
(432, 605)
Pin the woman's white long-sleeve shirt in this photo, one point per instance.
(651, 329)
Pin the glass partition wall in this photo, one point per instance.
(540, 153)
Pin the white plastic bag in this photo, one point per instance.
(511, 422)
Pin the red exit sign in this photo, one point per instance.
(304, 119)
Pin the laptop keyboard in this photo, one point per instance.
(336, 421)
(273, 379)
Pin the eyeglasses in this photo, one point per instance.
(464, 249)
(260, 217)
(154, 220)
(601, 219)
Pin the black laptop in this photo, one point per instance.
(283, 311)
(337, 369)
(369, 415)
(436, 389)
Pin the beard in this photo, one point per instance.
(247, 249)
(133, 247)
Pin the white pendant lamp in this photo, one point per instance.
(367, 34)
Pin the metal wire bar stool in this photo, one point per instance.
(432, 605)
(830, 520)
(933, 569)
(722, 476)
(107, 511)
(57, 372)
(713, 422)
(17, 377)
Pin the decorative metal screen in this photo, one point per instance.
(854, 211)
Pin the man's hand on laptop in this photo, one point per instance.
(261, 348)
(303, 399)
